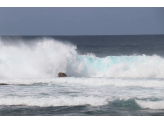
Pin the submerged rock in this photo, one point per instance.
(3, 84)
(62, 74)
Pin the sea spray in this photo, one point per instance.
(45, 57)
(124, 66)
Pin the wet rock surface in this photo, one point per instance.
(3, 84)
(62, 74)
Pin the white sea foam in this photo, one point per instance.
(120, 82)
(54, 101)
(44, 58)
(151, 104)
(74, 101)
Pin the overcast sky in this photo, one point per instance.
(81, 21)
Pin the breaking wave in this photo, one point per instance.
(82, 100)
(46, 57)
(51, 101)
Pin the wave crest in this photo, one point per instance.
(46, 57)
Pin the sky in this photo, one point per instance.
(81, 20)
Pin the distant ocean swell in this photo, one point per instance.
(46, 57)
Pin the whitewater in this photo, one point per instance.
(47, 57)
(95, 85)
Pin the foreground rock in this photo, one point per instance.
(62, 74)
(3, 84)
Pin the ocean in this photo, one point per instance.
(115, 75)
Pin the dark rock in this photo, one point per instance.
(62, 74)
(3, 84)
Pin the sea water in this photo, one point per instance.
(106, 75)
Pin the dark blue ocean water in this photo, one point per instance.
(106, 75)
(102, 46)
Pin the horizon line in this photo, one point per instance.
(86, 35)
